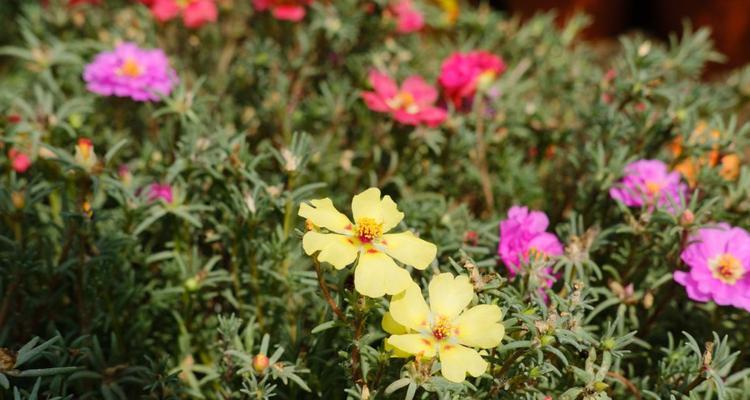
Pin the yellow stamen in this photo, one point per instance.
(441, 328)
(486, 78)
(726, 268)
(653, 188)
(403, 101)
(130, 68)
(368, 229)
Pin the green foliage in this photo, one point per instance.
(105, 294)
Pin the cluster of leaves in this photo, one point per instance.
(136, 299)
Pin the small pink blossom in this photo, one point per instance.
(523, 237)
(462, 73)
(19, 161)
(286, 10)
(158, 191)
(411, 104)
(719, 266)
(649, 183)
(194, 13)
(408, 18)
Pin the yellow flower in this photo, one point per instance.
(444, 328)
(376, 273)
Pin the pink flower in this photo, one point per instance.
(158, 191)
(649, 183)
(523, 236)
(194, 12)
(719, 262)
(287, 10)
(462, 73)
(408, 18)
(411, 104)
(128, 71)
(19, 161)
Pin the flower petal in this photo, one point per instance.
(368, 205)
(337, 250)
(457, 360)
(377, 274)
(409, 309)
(409, 249)
(480, 326)
(391, 326)
(420, 345)
(391, 215)
(449, 296)
(322, 213)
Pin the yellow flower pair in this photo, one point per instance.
(441, 329)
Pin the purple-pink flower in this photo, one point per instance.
(719, 266)
(129, 71)
(523, 238)
(649, 183)
(410, 104)
(285, 10)
(158, 191)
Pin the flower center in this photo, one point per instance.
(130, 68)
(653, 188)
(533, 254)
(441, 328)
(183, 3)
(485, 78)
(368, 229)
(403, 101)
(726, 268)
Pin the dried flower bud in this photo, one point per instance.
(18, 199)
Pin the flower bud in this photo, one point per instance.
(18, 199)
(260, 363)
(687, 218)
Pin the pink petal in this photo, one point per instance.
(165, 10)
(406, 118)
(383, 85)
(433, 116)
(424, 94)
(375, 102)
(200, 12)
(289, 12)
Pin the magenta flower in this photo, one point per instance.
(194, 12)
(287, 10)
(719, 262)
(19, 161)
(128, 71)
(411, 104)
(649, 183)
(523, 237)
(462, 73)
(158, 191)
(408, 18)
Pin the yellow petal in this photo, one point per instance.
(409, 249)
(322, 213)
(457, 360)
(338, 250)
(391, 326)
(480, 326)
(395, 352)
(449, 296)
(409, 309)
(391, 215)
(422, 346)
(368, 205)
(377, 274)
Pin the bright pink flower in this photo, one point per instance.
(194, 12)
(462, 73)
(649, 183)
(411, 104)
(287, 10)
(408, 18)
(19, 161)
(158, 191)
(523, 237)
(719, 262)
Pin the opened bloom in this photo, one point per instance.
(158, 191)
(445, 328)
(719, 266)
(411, 104)
(463, 73)
(129, 71)
(524, 238)
(649, 183)
(194, 12)
(408, 18)
(287, 10)
(340, 242)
